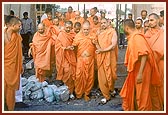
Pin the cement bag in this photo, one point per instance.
(54, 87)
(61, 93)
(48, 94)
(24, 81)
(37, 85)
(26, 94)
(32, 78)
(44, 84)
(30, 64)
(28, 86)
(38, 94)
(26, 89)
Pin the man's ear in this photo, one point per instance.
(126, 28)
(12, 25)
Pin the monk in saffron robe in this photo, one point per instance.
(62, 19)
(85, 61)
(77, 27)
(96, 24)
(12, 61)
(146, 26)
(95, 29)
(142, 71)
(55, 30)
(48, 21)
(56, 26)
(70, 14)
(65, 57)
(93, 12)
(155, 38)
(41, 52)
(107, 52)
(77, 18)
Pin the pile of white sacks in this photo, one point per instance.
(33, 89)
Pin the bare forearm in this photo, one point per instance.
(97, 46)
(143, 62)
(113, 45)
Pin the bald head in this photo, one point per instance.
(153, 20)
(129, 26)
(130, 23)
(77, 14)
(68, 23)
(41, 28)
(86, 23)
(86, 27)
(14, 21)
(104, 19)
(41, 25)
(15, 24)
(154, 15)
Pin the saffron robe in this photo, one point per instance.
(155, 38)
(41, 50)
(84, 80)
(107, 63)
(132, 92)
(12, 68)
(65, 59)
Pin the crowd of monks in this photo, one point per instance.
(76, 47)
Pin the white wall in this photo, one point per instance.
(151, 8)
(17, 8)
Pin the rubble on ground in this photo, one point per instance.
(33, 89)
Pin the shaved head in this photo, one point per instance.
(128, 26)
(68, 23)
(41, 28)
(130, 23)
(104, 19)
(86, 23)
(41, 25)
(14, 21)
(154, 20)
(77, 12)
(86, 27)
(154, 15)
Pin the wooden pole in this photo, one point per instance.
(125, 16)
(84, 12)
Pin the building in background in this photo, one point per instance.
(36, 10)
(152, 7)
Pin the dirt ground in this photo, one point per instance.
(80, 104)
